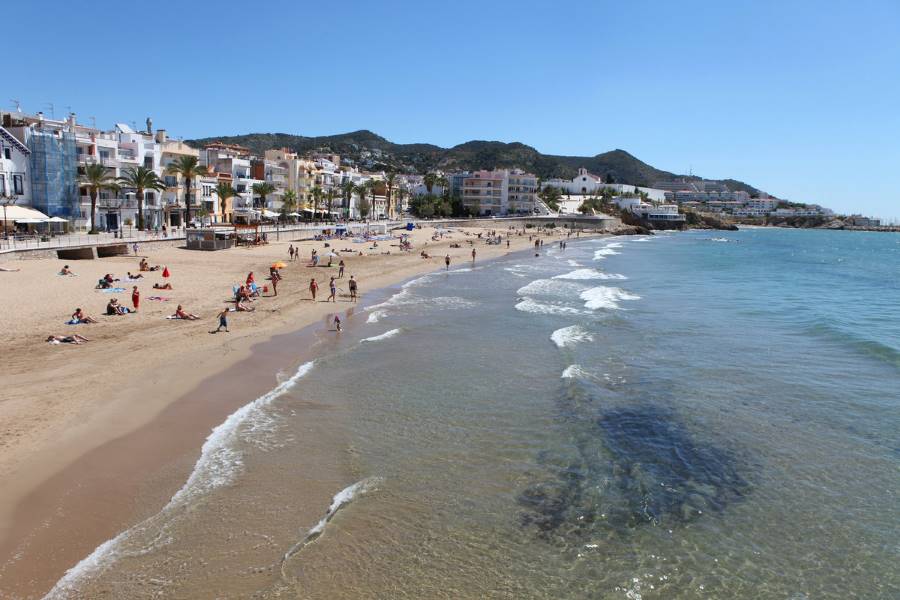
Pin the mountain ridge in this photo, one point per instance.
(368, 149)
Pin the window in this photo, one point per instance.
(18, 189)
(2, 184)
(7, 153)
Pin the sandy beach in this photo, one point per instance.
(65, 406)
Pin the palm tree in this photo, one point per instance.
(263, 189)
(390, 181)
(317, 196)
(347, 192)
(96, 178)
(445, 186)
(224, 191)
(429, 180)
(401, 194)
(141, 179)
(372, 185)
(289, 203)
(330, 200)
(189, 168)
(361, 190)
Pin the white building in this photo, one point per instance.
(586, 183)
(15, 179)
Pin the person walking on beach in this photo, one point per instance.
(332, 287)
(352, 284)
(135, 298)
(473, 256)
(291, 252)
(341, 269)
(223, 320)
(507, 242)
(313, 288)
(134, 247)
(275, 279)
(447, 261)
(337, 323)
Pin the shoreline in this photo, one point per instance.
(114, 422)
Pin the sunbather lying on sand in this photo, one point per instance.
(67, 339)
(241, 307)
(5, 270)
(180, 314)
(164, 286)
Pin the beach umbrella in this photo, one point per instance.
(278, 265)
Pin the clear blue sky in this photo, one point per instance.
(801, 99)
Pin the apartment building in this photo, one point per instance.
(51, 167)
(15, 170)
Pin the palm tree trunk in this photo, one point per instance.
(93, 210)
(187, 201)
(140, 202)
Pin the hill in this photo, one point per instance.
(371, 151)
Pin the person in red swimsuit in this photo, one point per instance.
(135, 298)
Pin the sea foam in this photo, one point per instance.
(217, 466)
(580, 274)
(569, 336)
(376, 315)
(383, 336)
(606, 297)
(604, 252)
(574, 372)
(549, 287)
(531, 305)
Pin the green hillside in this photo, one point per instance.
(372, 151)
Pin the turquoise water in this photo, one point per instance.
(696, 415)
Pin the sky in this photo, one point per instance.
(798, 98)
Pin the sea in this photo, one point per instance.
(683, 415)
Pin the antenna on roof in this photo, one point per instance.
(52, 111)
(18, 105)
(93, 122)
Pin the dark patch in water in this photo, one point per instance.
(631, 467)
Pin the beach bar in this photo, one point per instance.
(209, 239)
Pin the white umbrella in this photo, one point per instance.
(31, 221)
(57, 220)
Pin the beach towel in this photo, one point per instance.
(73, 322)
(113, 290)
(177, 318)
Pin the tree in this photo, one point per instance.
(329, 196)
(429, 180)
(372, 185)
(347, 194)
(551, 196)
(141, 179)
(445, 186)
(224, 191)
(189, 168)
(361, 190)
(262, 190)
(289, 203)
(96, 178)
(390, 181)
(401, 194)
(317, 197)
